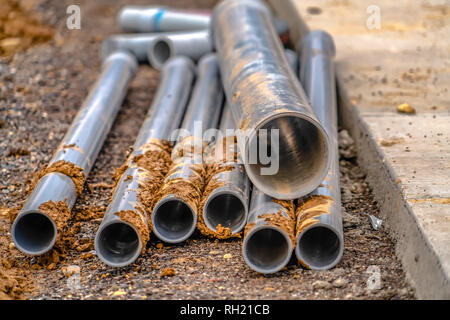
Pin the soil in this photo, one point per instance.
(41, 90)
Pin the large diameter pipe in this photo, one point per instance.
(320, 241)
(191, 44)
(46, 212)
(124, 231)
(264, 93)
(160, 19)
(224, 206)
(165, 19)
(269, 233)
(175, 213)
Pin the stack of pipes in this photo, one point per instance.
(277, 133)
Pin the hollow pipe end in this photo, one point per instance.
(33, 232)
(267, 249)
(319, 247)
(173, 220)
(117, 243)
(213, 210)
(304, 151)
(160, 51)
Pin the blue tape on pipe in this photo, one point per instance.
(157, 21)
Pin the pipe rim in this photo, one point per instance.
(239, 197)
(23, 248)
(186, 235)
(282, 264)
(296, 192)
(334, 262)
(98, 246)
(154, 56)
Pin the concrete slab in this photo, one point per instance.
(406, 157)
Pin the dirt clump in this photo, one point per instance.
(19, 29)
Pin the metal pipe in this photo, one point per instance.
(47, 209)
(224, 206)
(124, 231)
(193, 45)
(269, 233)
(320, 240)
(265, 94)
(160, 19)
(165, 19)
(292, 59)
(175, 213)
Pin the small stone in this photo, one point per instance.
(406, 108)
(167, 272)
(319, 284)
(11, 245)
(119, 293)
(340, 283)
(227, 256)
(70, 270)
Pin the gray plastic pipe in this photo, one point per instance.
(320, 241)
(173, 218)
(165, 19)
(264, 93)
(227, 204)
(118, 243)
(34, 232)
(266, 248)
(138, 43)
(193, 45)
(160, 19)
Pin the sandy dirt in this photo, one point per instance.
(41, 90)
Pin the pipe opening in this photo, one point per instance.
(318, 247)
(224, 209)
(267, 250)
(161, 52)
(302, 154)
(173, 221)
(118, 244)
(34, 233)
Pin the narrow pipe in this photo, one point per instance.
(165, 19)
(47, 209)
(175, 213)
(160, 19)
(137, 43)
(264, 93)
(320, 241)
(193, 45)
(124, 231)
(291, 57)
(225, 200)
(269, 233)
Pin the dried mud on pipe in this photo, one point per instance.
(278, 220)
(188, 190)
(215, 164)
(307, 213)
(69, 169)
(136, 218)
(154, 163)
(58, 212)
(311, 208)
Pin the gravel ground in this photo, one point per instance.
(40, 92)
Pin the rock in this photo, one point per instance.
(70, 270)
(340, 282)
(319, 284)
